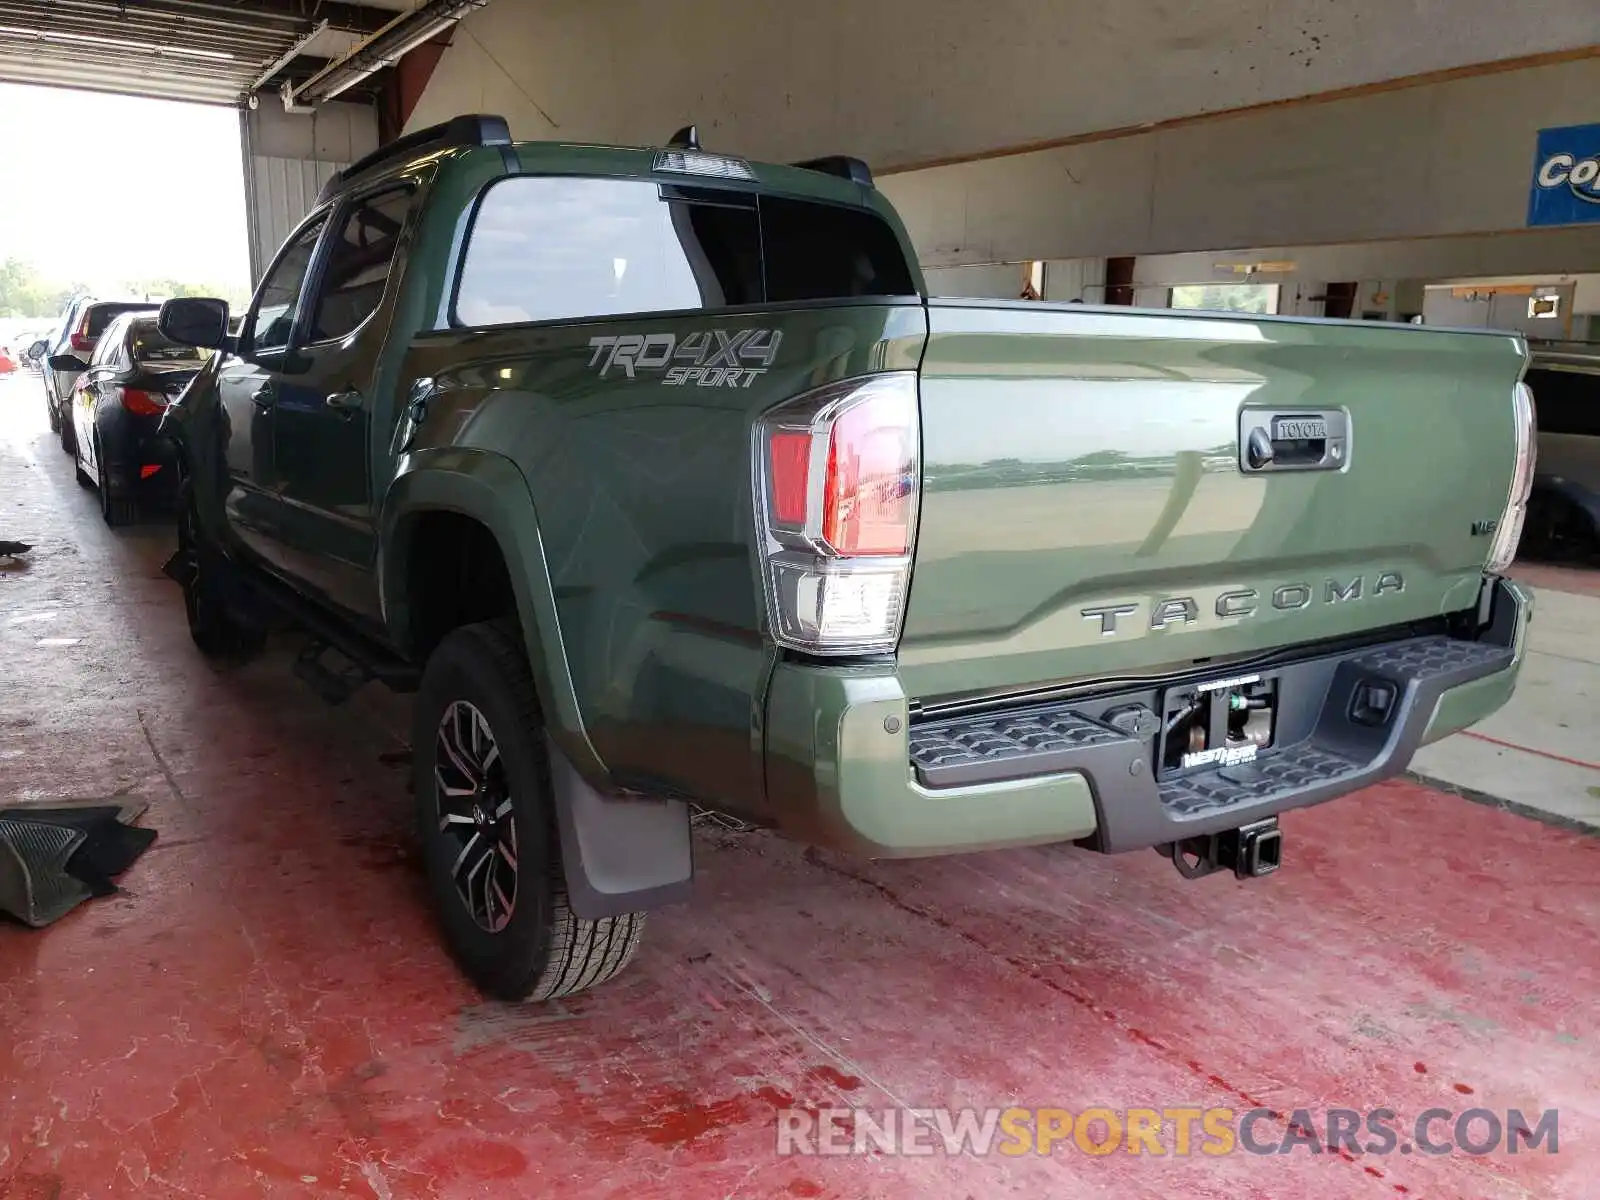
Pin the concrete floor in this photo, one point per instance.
(1542, 750)
(265, 1009)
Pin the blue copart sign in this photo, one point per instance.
(1566, 177)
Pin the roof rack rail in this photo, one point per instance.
(841, 165)
(475, 129)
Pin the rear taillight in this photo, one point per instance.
(142, 403)
(1509, 532)
(838, 473)
(82, 342)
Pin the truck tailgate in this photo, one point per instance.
(1087, 511)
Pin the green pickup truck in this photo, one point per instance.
(660, 478)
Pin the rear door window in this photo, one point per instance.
(557, 248)
(1566, 401)
(358, 263)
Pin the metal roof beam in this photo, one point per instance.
(401, 35)
(164, 87)
(146, 67)
(357, 18)
(303, 67)
(88, 48)
(279, 18)
(178, 49)
(94, 32)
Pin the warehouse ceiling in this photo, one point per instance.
(211, 51)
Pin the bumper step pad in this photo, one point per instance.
(1292, 770)
(1332, 753)
(950, 753)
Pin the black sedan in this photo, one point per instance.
(117, 405)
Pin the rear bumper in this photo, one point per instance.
(846, 768)
(140, 463)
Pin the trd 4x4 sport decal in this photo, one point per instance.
(709, 358)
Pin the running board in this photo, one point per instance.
(334, 684)
(374, 661)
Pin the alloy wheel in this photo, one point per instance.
(473, 805)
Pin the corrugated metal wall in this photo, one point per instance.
(287, 159)
(280, 193)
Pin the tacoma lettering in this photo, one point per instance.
(1243, 603)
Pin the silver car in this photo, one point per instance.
(1564, 511)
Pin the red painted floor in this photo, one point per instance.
(265, 1010)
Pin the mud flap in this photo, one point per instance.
(620, 854)
(179, 569)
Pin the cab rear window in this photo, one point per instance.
(149, 346)
(547, 248)
(101, 315)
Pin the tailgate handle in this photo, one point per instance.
(1293, 440)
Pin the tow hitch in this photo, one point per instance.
(1249, 852)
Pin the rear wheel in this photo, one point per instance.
(50, 412)
(198, 567)
(68, 436)
(115, 510)
(1557, 530)
(486, 819)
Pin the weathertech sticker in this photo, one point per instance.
(709, 358)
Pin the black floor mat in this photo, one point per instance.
(54, 858)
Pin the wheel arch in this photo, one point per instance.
(620, 853)
(488, 491)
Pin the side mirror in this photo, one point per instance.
(38, 348)
(195, 321)
(67, 362)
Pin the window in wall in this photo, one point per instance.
(1227, 297)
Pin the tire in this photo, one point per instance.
(54, 417)
(69, 438)
(84, 479)
(1558, 531)
(116, 511)
(216, 630)
(540, 950)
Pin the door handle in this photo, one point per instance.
(1293, 440)
(264, 396)
(344, 402)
